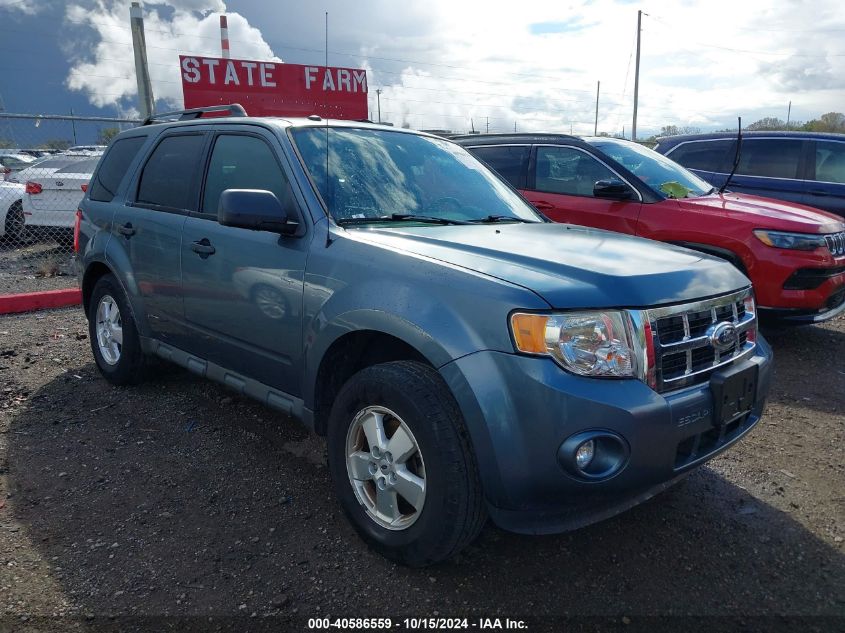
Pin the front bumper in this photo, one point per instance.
(519, 410)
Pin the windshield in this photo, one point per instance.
(655, 170)
(377, 174)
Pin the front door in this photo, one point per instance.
(243, 289)
(561, 187)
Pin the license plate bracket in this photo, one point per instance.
(734, 392)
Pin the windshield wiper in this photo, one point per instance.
(400, 217)
(491, 219)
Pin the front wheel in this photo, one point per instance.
(113, 334)
(402, 464)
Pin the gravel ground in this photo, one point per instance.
(176, 505)
(43, 265)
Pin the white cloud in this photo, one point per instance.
(446, 64)
(107, 73)
(24, 6)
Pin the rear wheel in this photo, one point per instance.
(15, 225)
(402, 464)
(113, 334)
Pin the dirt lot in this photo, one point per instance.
(130, 508)
(41, 265)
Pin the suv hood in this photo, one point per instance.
(766, 213)
(569, 266)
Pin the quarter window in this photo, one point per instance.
(569, 171)
(111, 172)
(243, 162)
(770, 157)
(169, 176)
(509, 161)
(830, 162)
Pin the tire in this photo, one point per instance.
(15, 225)
(412, 398)
(121, 362)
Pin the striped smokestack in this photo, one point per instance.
(224, 36)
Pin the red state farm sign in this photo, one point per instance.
(274, 88)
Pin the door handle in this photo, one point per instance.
(126, 229)
(203, 247)
(542, 205)
(818, 192)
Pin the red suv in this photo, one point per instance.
(793, 254)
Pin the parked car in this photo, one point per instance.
(12, 225)
(794, 254)
(803, 167)
(51, 201)
(14, 162)
(46, 165)
(463, 355)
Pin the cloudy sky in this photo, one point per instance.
(447, 64)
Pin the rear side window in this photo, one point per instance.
(770, 157)
(243, 162)
(509, 161)
(168, 178)
(830, 162)
(703, 155)
(111, 172)
(569, 171)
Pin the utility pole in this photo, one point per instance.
(596, 127)
(378, 99)
(73, 127)
(637, 76)
(514, 127)
(488, 125)
(788, 114)
(146, 103)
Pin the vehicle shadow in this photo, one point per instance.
(810, 351)
(176, 499)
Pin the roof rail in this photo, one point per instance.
(234, 109)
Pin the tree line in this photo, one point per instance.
(828, 122)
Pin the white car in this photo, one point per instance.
(52, 197)
(11, 162)
(11, 213)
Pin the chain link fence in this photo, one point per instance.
(46, 162)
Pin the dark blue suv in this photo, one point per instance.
(803, 167)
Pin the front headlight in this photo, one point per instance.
(791, 241)
(585, 343)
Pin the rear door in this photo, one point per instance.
(560, 184)
(149, 228)
(771, 167)
(243, 289)
(826, 178)
(509, 161)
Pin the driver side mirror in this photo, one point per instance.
(612, 190)
(255, 209)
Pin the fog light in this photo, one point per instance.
(584, 454)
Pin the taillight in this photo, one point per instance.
(85, 186)
(33, 188)
(76, 226)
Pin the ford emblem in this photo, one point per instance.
(723, 336)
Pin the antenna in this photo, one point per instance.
(736, 157)
(329, 188)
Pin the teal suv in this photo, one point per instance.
(465, 357)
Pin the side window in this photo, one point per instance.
(509, 161)
(569, 171)
(703, 155)
(168, 178)
(243, 162)
(114, 166)
(770, 157)
(830, 161)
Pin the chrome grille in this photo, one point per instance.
(836, 243)
(684, 350)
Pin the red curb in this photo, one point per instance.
(29, 301)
